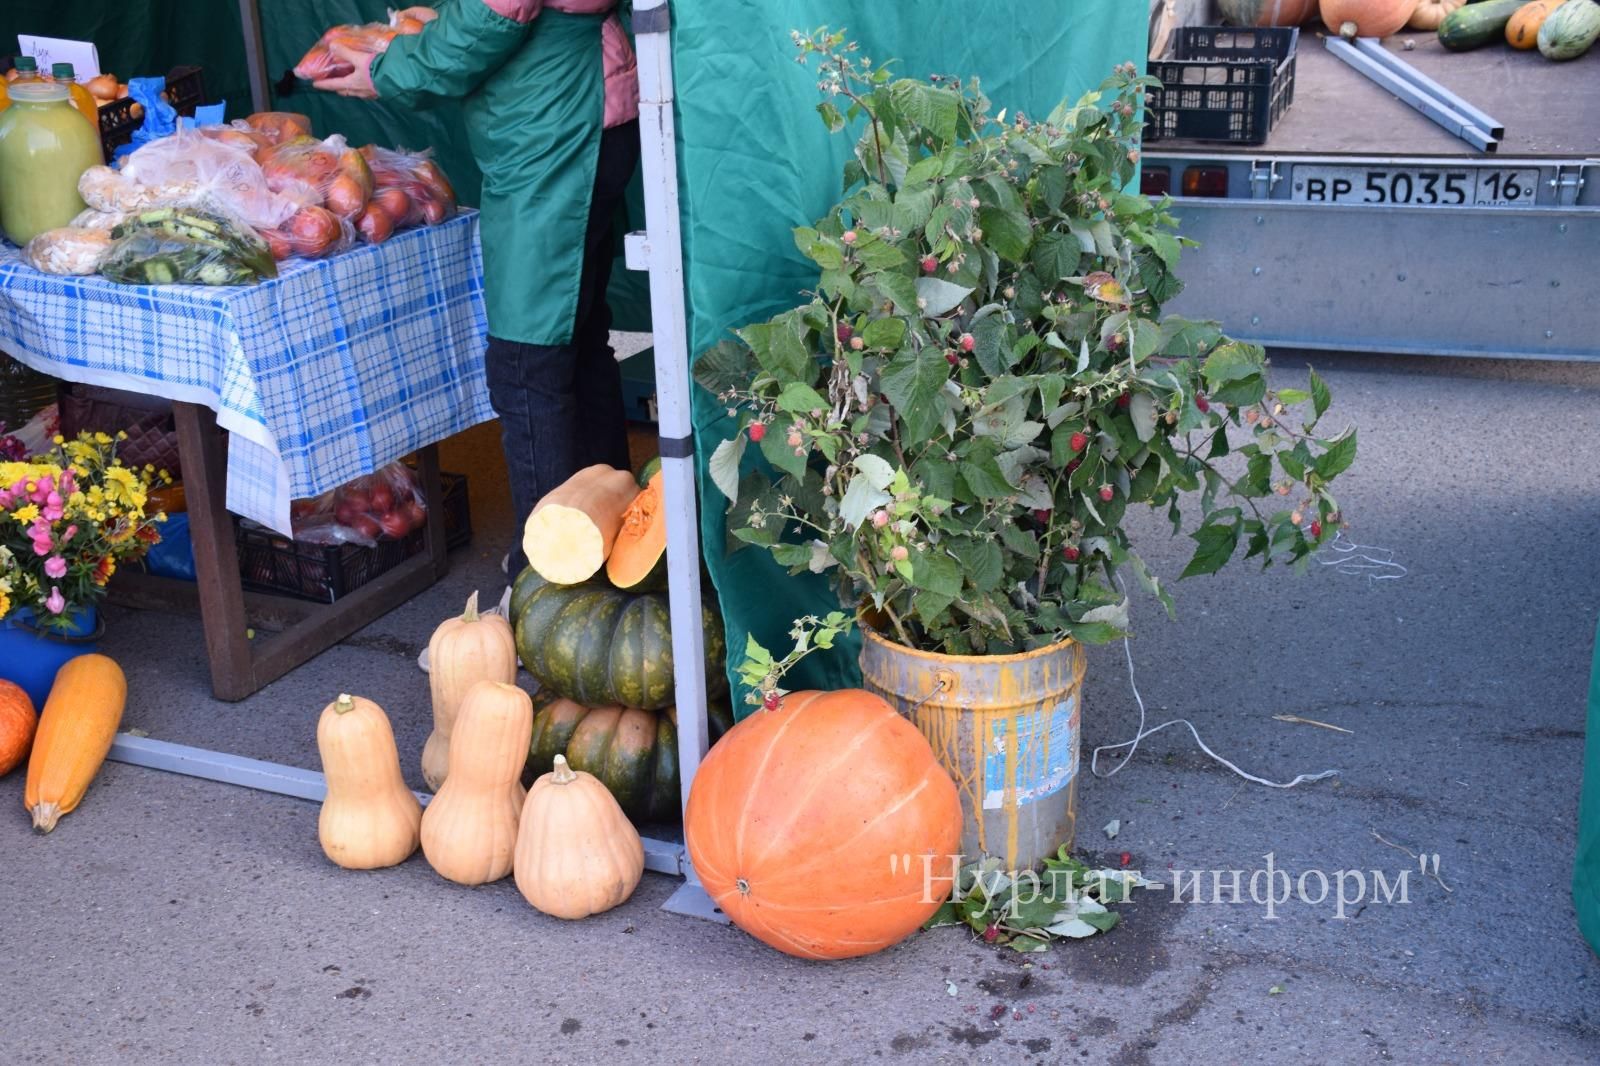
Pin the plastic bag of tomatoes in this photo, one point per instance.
(387, 504)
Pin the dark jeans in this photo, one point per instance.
(560, 406)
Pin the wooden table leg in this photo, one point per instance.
(216, 559)
(433, 493)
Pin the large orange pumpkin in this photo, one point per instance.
(1369, 18)
(18, 721)
(809, 824)
(1267, 12)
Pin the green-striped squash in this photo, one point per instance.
(1476, 25)
(1570, 31)
(600, 645)
(634, 753)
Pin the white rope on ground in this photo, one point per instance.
(1133, 745)
(1348, 557)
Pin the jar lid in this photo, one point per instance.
(27, 65)
(39, 92)
(60, 71)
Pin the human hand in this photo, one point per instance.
(357, 83)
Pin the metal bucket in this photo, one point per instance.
(1006, 727)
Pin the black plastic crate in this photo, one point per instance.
(186, 90)
(1226, 83)
(270, 562)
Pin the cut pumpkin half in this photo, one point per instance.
(573, 529)
(638, 560)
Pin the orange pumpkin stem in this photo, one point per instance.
(344, 704)
(562, 774)
(471, 613)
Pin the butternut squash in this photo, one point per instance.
(570, 533)
(577, 853)
(469, 831)
(76, 728)
(1522, 32)
(464, 650)
(369, 818)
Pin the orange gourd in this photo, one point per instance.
(76, 728)
(1430, 13)
(464, 650)
(469, 831)
(800, 816)
(577, 853)
(1522, 32)
(369, 818)
(1367, 18)
(637, 559)
(571, 531)
(18, 720)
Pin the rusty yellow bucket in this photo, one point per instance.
(1006, 727)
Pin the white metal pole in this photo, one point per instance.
(664, 255)
(255, 55)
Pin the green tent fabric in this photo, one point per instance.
(1586, 870)
(144, 39)
(755, 161)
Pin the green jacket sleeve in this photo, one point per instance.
(449, 59)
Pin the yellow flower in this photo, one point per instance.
(27, 514)
(5, 604)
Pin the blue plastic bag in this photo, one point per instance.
(174, 555)
(160, 117)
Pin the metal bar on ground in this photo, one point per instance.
(660, 856)
(1474, 114)
(663, 247)
(1451, 120)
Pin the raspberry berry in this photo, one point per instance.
(1201, 402)
(757, 431)
(1316, 530)
(1041, 516)
(1126, 857)
(967, 342)
(929, 264)
(880, 518)
(1079, 441)
(952, 358)
(844, 332)
(848, 236)
(1071, 552)
(770, 701)
(1106, 492)
(856, 344)
(1124, 400)
(899, 553)
(1073, 465)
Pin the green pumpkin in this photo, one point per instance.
(634, 753)
(598, 645)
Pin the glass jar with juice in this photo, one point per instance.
(45, 146)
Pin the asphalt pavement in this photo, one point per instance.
(174, 920)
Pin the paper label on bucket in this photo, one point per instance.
(1035, 754)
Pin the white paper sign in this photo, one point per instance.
(83, 56)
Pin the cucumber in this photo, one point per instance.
(1475, 25)
(1570, 31)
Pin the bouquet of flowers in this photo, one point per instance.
(67, 519)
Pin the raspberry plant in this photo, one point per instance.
(982, 382)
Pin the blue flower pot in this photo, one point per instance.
(30, 656)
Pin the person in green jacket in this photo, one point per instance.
(550, 95)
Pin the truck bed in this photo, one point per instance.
(1548, 109)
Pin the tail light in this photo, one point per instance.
(1205, 181)
(1155, 181)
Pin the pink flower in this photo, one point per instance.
(42, 545)
(43, 488)
(71, 532)
(55, 567)
(55, 601)
(6, 499)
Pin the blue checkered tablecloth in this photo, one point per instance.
(331, 370)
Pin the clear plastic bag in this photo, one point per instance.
(410, 186)
(320, 62)
(184, 246)
(191, 169)
(312, 232)
(68, 250)
(336, 174)
(386, 504)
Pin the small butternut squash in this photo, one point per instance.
(570, 533)
(18, 720)
(469, 831)
(464, 650)
(1430, 13)
(577, 853)
(1522, 32)
(76, 729)
(369, 818)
